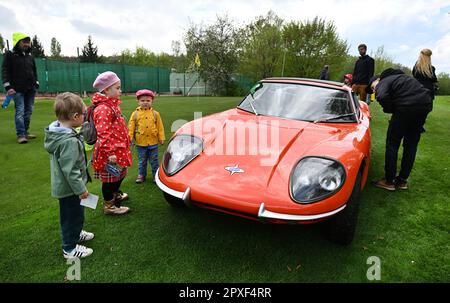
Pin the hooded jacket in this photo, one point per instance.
(144, 129)
(398, 92)
(112, 133)
(19, 68)
(67, 161)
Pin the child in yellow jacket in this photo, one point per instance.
(147, 130)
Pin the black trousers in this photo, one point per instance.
(108, 189)
(406, 127)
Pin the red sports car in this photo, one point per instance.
(293, 151)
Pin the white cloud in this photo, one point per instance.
(441, 54)
(401, 25)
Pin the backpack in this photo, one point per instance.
(88, 130)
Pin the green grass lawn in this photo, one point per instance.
(408, 230)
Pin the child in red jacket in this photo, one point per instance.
(112, 154)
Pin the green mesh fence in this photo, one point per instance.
(58, 76)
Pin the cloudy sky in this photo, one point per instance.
(403, 27)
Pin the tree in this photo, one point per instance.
(2, 44)
(444, 84)
(144, 57)
(179, 60)
(262, 47)
(37, 50)
(310, 46)
(55, 48)
(89, 52)
(217, 47)
(383, 61)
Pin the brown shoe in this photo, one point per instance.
(119, 197)
(384, 184)
(401, 184)
(31, 136)
(110, 209)
(22, 140)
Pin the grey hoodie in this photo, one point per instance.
(67, 161)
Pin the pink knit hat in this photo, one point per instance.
(105, 80)
(145, 92)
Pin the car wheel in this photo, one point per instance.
(341, 228)
(175, 202)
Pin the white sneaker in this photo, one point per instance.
(85, 236)
(80, 251)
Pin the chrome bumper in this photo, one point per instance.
(262, 213)
(185, 196)
(266, 214)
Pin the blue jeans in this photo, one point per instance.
(24, 104)
(147, 154)
(71, 218)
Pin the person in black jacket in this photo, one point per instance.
(409, 102)
(425, 73)
(325, 73)
(20, 79)
(364, 70)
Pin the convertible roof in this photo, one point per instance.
(303, 80)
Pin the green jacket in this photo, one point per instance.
(67, 161)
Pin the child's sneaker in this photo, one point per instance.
(140, 179)
(79, 251)
(120, 196)
(110, 209)
(85, 236)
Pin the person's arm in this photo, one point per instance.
(68, 157)
(160, 126)
(103, 117)
(371, 67)
(384, 95)
(434, 78)
(131, 126)
(35, 74)
(6, 73)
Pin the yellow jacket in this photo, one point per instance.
(142, 124)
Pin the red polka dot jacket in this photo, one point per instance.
(112, 133)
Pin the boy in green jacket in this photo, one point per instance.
(69, 172)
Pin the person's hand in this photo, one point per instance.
(161, 142)
(10, 92)
(84, 195)
(112, 159)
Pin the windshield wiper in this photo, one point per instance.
(333, 118)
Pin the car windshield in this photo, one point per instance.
(300, 102)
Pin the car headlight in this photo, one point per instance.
(181, 150)
(315, 178)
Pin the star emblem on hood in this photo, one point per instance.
(234, 169)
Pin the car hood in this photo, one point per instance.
(251, 154)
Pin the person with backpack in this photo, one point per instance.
(147, 130)
(69, 173)
(111, 154)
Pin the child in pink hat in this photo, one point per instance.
(147, 130)
(111, 155)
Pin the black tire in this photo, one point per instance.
(173, 201)
(341, 228)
